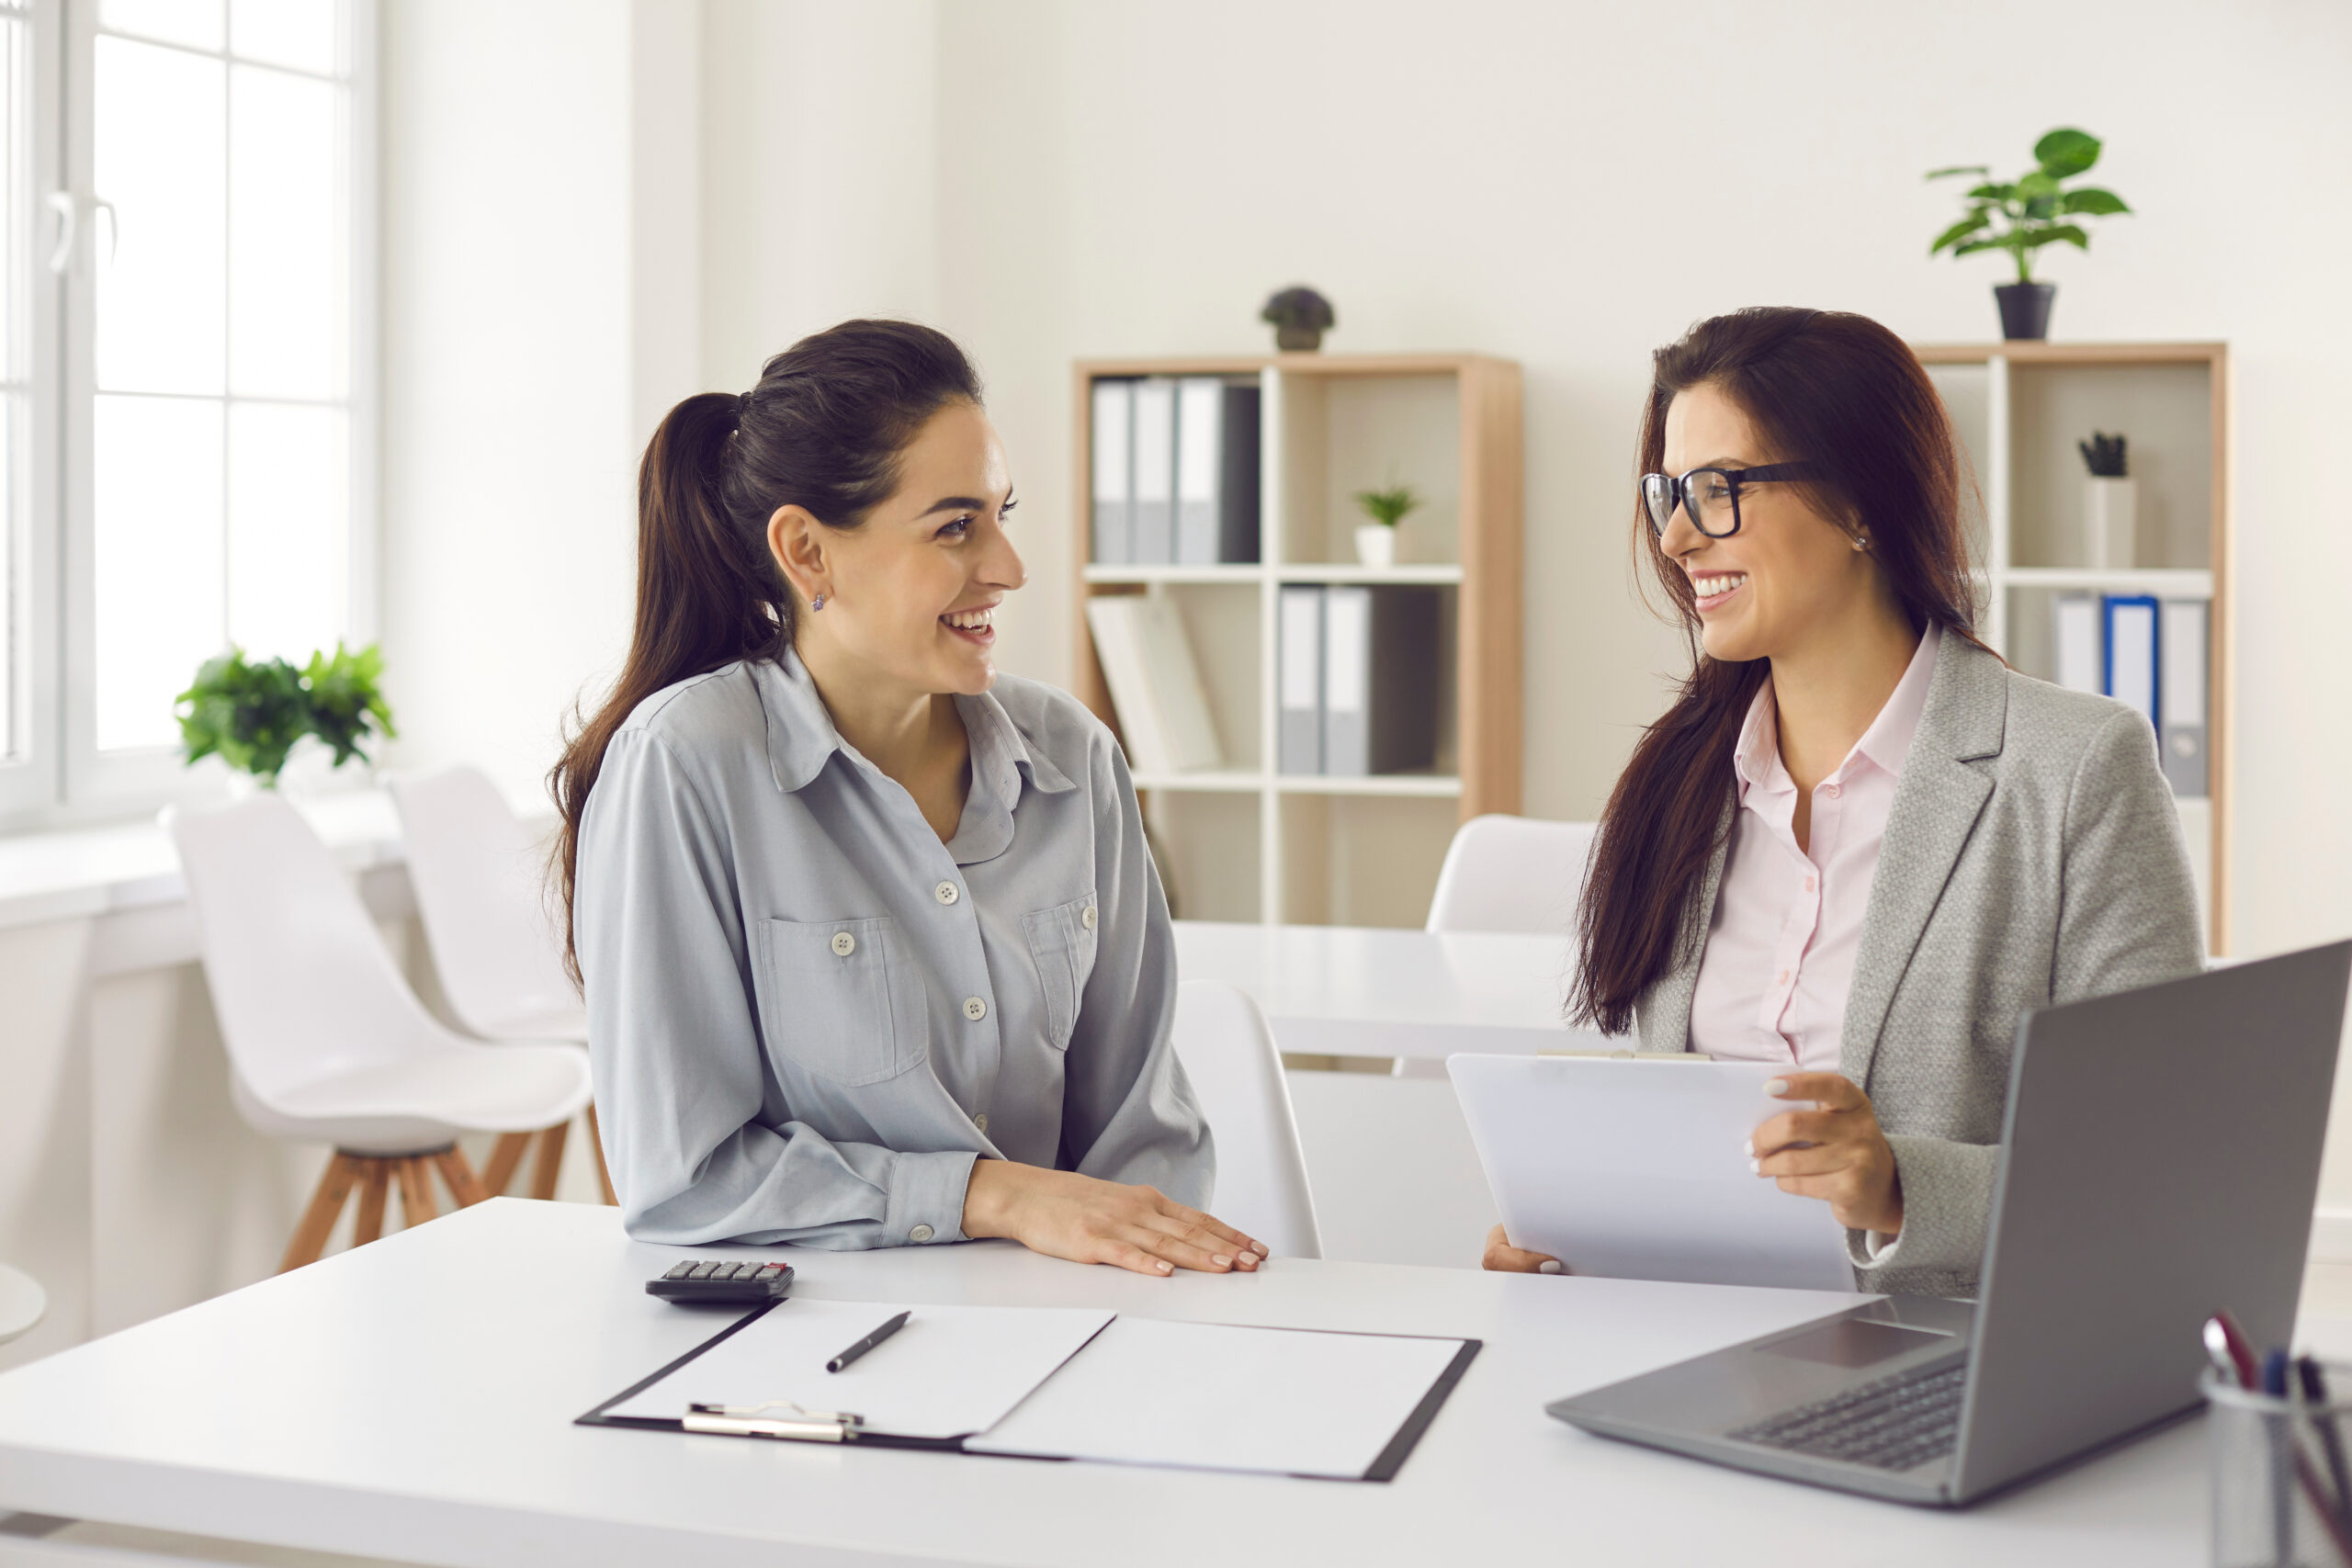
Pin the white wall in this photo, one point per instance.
(1570, 184)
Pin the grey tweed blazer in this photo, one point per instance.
(2033, 856)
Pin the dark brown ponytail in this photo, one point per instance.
(824, 430)
(1838, 389)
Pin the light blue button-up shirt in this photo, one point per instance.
(808, 1016)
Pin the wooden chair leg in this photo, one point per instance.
(460, 1174)
(318, 1220)
(508, 1153)
(369, 1224)
(596, 1142)
(416, 1192)
(551, 1160)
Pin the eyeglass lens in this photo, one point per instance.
(1705, 493)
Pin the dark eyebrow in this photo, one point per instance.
(956, 503)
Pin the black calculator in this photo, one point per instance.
(722, 1283)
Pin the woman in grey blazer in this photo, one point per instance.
(1858, 843)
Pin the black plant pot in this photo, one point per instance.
(2025, 309)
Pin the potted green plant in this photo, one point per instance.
(1300, 317)
(2025, 214)
(1376, 540)
(252, 713)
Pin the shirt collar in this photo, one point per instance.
(802, 739)
(1757, 755)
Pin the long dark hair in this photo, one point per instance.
(1838, 389)
(824, 429)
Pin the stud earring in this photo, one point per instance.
(1864, 543)
(818, 602)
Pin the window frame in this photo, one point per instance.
(63, 778)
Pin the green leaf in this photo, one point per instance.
(1975, 245)
(1994, 193)
(1390, 506)
(2093, 200)
(2065, 152)
(1959, 169)
(1974, 223)
(2037, 184)
(2055, 232)
(250, 714)
(343, 700)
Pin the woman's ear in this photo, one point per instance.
(797, 542)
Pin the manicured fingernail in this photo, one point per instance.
(1777, 1087)
(1748, 1148)
(1164, 1268)
(1549, 1266)
(1222, 1262)
(1756, 1165)
(1260, 1248)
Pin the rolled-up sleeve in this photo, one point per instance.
(1129, 1112)
(698, 1150)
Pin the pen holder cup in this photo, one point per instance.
(2279, 1477)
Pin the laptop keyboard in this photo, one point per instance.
(1892, 1424)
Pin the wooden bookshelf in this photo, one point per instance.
(1245, 842)
(2020, 408)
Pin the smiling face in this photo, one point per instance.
(910, 596)
(1791, 575)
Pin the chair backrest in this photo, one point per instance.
(302, 981)
(1511, 874)
(480, 877)
(1228, 1053)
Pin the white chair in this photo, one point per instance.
(1228, 1053)
(480, 877)
(22, 1302)
(326, 1038)
(1511, 874)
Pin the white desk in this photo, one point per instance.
(1359, 991)
(413, 1400)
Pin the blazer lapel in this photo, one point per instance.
(1936, 809)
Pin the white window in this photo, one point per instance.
(208, 229)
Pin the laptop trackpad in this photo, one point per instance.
(1851, 1342)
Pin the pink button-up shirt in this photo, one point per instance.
(1788, 923)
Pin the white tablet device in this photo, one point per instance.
(1635, 1169)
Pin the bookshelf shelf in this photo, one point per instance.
(1244, 842)
(2020, 408)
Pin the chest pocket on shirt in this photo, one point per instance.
(830, 1003)
(1061, 940)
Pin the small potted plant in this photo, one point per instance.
(252, 713)
(2025, 214)
(2109, 507)
(1300, 317)
(1376, 540)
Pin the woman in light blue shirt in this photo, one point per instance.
(874, 951)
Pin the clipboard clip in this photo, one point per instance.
(803, 1425)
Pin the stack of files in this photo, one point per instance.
(1156, 687)
(1175, 462)
(1358, 679)
(2152, 654)
(1061, 1383)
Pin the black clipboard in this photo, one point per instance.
(1385, 1466)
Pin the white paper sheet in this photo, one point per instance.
(952, 1370)
(1209, 1396)
(1636, 1170)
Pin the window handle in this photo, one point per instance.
(104, 208)
(69, 227)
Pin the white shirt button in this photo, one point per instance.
(1783, 978)
(1087, 919)
(921, 1234)
(1808, 883)
(946, 893)
(843, 943)
(981, 1121)
(975, 1009)
(1832, 791)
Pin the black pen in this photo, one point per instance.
(2315, 1395)
(871, 1340)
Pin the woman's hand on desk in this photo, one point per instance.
(1064, 1214)
(1834, 1152)
(1505, 1259)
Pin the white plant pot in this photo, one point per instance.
(1375, 543)
(2111, 523)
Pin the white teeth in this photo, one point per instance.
(1709, 587)
(968, 620)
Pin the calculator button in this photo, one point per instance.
(771, 1271)
(680, 1270)
(702, 1270)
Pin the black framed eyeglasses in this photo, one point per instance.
(1710, 497)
